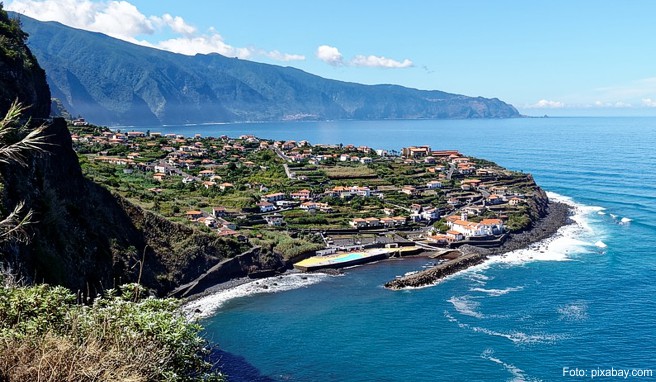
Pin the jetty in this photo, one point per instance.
(432, 275)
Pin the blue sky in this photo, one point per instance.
(550, 57)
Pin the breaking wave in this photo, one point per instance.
(208, 305)
(497, 292)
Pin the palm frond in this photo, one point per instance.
(13, 226)
(16, 152)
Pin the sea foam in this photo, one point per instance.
(518, 375)
(208, 305)
(497, 292)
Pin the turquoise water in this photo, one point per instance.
(584, 300)
(352, 256)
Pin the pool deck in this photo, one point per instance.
(347, 259)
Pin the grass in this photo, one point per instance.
(349, 172)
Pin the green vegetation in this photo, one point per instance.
(518, 221)
(46, 335)
(12, 39)
(282, 243)
(349, 172)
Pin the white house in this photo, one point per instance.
(433, 184)
(266, 206)
(274, 220)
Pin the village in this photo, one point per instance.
(325, 197)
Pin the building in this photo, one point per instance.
(358, 223)
(274, 219)
(347, 192)
(266, 206)
(410, 190)
(515, 201)
(218, 212)
(302, 195)
(273, 197)
(416, 151)
(194, 214)
(485, 227)
(433, 184)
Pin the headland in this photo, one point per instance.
(282, 204)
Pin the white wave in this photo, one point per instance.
(464, 305)
(569, 239)
(516, 337)
(208, 305)
(600, 244)
(625, 220)
(601, 213)
(518, 375)
(577, 311)
(613, 216)
(497, 292)
(576, 238)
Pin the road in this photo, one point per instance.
(290, 173)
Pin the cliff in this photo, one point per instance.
(81, 235)
(110, 82)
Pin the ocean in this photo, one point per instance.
(575, 306)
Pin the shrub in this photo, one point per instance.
(45, 335)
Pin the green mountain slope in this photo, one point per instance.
(114, 82)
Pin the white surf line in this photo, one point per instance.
(208, 305)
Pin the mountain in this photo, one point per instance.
(111, 82)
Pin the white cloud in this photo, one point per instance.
(122, 20)
(546, 104)
(118, 19)
(204, 44)
(649, 102)
(379, 62)
(278, 56)
(615, 104)
(330, 55)
(177, 24)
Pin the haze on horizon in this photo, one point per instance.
(558, 58)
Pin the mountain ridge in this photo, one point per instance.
(114, 82)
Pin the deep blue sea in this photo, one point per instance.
(584, 299)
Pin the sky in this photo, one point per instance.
(556, 58)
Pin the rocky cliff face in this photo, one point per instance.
(21, 76)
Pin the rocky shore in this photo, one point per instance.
(556, 216)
